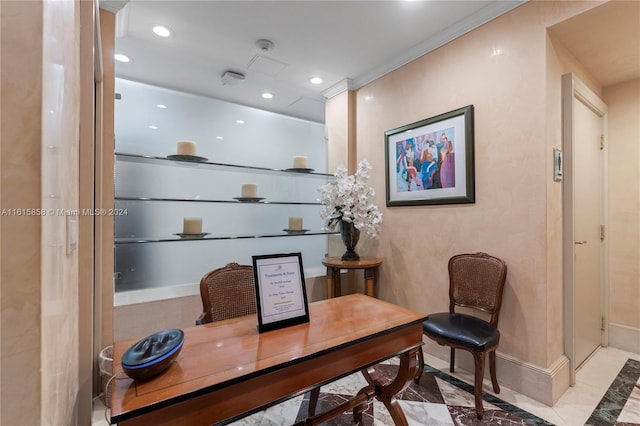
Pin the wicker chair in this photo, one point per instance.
(230, 292)
(227, 292)
(475, 281)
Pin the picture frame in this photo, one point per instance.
(431, 161)
(281, 296)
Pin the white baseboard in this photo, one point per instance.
(624, 337)
(155, 294)
(545, 385)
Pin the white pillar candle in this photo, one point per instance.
(249, 190)
(192, 225)
(295, 223)
(186, 148)
(300, 162)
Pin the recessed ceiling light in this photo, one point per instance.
(121, 58)
(162, 31)
(240, 121)
(316, 80)
(153, 127)
(219, 137)
(161, 106)
(267, 95)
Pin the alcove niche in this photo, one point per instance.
(237, 145)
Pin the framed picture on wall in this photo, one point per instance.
(431, 161)
(280, 291)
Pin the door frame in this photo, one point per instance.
(90, 75)
(574, 88)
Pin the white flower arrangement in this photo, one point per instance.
(348, 198)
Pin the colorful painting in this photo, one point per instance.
(431, 161)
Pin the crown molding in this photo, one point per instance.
(339, 87)
(484, 15)
(112, 6)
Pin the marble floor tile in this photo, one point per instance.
(602, 368)
(453, 395)
(577, 403)
(420, 414)
(631, 410)
(349, 385)
(619, 395)
(445, 399)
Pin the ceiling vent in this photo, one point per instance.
(265, 65)
(232, 78)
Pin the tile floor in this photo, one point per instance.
(573, 408)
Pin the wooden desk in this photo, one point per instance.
(227, 370)
(334, 264)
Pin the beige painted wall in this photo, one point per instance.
(518, 213)
(516, 200)
(20, 113)
(623, 101)
(105, 185)
(40, 92)
(560, 61)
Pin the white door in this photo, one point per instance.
(584, 187)
(587, 210)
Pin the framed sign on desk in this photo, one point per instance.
(280, 291)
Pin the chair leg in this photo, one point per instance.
(313, 401)
(452, 360)
(478, 358)
(420, 369)
(492, 369)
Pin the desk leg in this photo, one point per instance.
(330, 288)
(370, 281)
(333, 282)
(386, 393)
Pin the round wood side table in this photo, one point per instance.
(335, 264)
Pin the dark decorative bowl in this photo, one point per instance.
(153, 354)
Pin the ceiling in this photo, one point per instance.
(347, 43)
(606, 40)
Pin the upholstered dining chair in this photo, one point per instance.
(230, 292)
(476, 281)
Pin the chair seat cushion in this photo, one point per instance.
(463, 330)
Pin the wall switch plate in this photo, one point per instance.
(557, 165)
(72, 233)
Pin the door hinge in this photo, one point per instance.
(602, 324)
(601, 142)
(601, 232)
